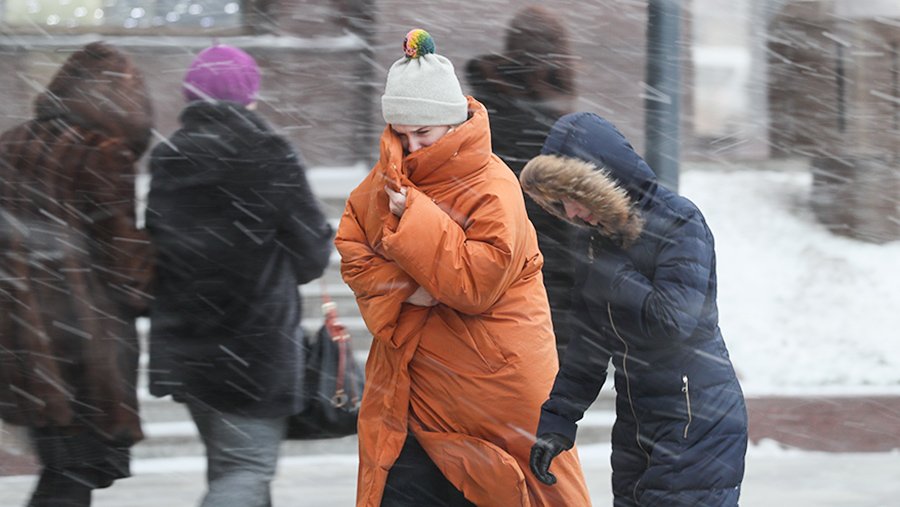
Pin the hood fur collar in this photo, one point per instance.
(550, 178)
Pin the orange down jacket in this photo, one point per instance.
(468, 375)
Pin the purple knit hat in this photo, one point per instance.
(222, 72)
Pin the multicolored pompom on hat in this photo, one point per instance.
(418, 43)
(422, 87)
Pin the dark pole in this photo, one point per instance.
(663, 98)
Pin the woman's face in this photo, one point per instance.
(575, 209)
(416, 137)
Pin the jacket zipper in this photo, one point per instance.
(685, 388)
(637, 425)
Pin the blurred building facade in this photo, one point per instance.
(324, 61)
(814, 79)
(834, 99)
(314, 64)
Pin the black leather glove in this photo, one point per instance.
(547, 447)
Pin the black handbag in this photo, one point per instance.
(333, 383)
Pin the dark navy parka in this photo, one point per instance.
(681, 426)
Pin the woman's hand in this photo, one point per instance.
(421, 297)
(397, 201)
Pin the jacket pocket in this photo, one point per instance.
(463, 343)
(488, 347)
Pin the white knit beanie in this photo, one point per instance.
(422, 87)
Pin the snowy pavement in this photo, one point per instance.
(775, 476)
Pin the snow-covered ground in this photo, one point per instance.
(802, 310)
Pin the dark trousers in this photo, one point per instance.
(60, 489)
(74, 464)
(415, 481)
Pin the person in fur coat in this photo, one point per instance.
(74, 272)
(646, 301)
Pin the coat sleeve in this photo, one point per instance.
(304, 232)
(465, 269)
(582, 374)
(668, 306)
(380, 286)
(122, 253)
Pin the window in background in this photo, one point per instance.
(65, 15)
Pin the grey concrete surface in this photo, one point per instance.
(774, 477)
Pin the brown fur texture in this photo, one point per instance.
(74, 269)
(550, 178)
(100, 88)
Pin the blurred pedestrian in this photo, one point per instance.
(74, 271)
(237, 229)
(525, 89)
(647, 301)
(438, 250)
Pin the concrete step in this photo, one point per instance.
(168, 440)
(170, 432)
(180, 439)
(332, 274)
(339, 293)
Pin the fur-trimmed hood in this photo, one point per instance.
(588, 160)
(99, 87)
(550, 178)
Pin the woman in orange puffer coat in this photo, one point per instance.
(438, 250)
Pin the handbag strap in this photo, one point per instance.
(338, 333)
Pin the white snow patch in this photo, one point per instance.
(801, 309)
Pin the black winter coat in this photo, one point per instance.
(522, 108)
(646, 301)
(237, 229)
